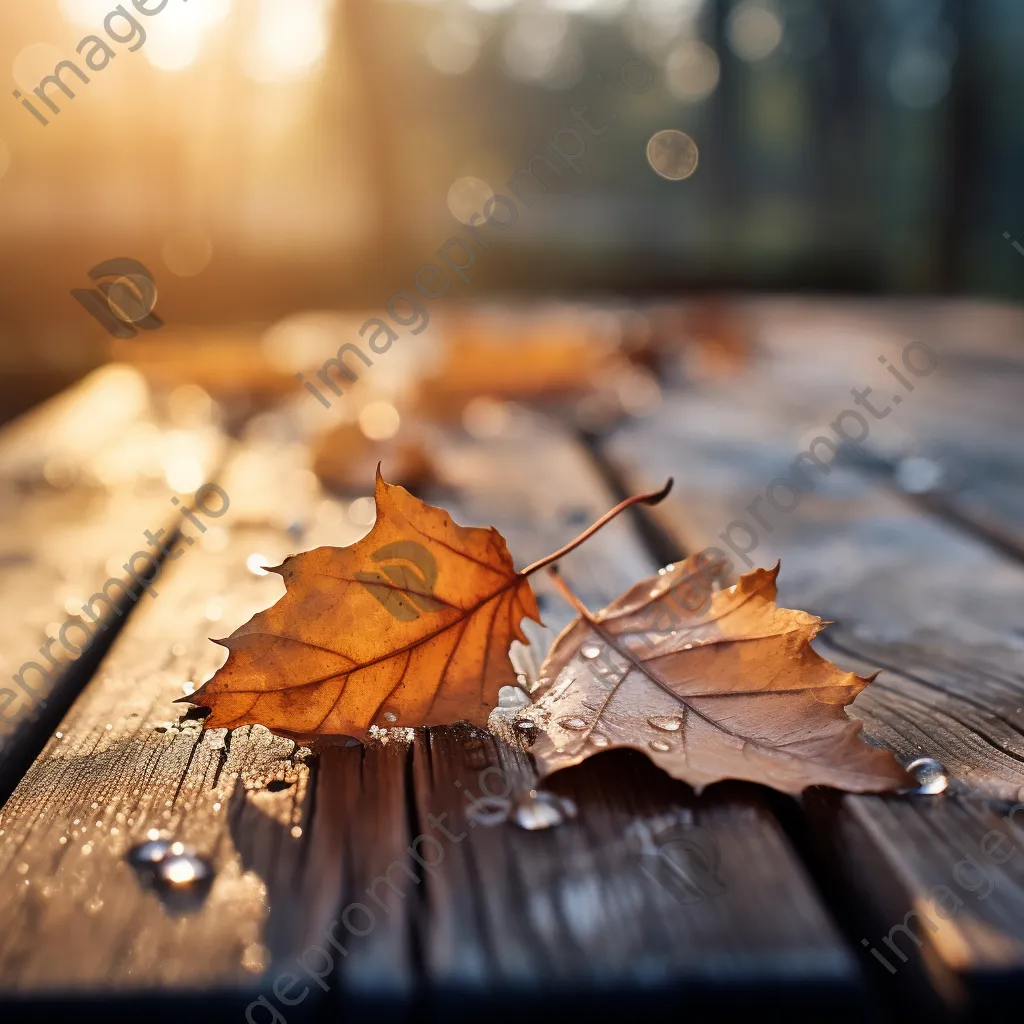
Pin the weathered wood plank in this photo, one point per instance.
(567, 918)
(950, 444)
(936, 608)
(75, 500)
(83, 922)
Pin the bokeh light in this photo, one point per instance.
(691, 71)
(918, 77)
(34, 62)
(754, 30)
(453, 46)
(467, 196)
(290, 39)
(379, 421)
(187, 253)
(673, 154)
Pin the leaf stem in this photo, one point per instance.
(650, 498)
(563, 588)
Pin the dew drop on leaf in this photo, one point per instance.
(575, 724)
(667, 723)
(660, 745)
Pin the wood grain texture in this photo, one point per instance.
(75, 500)
(933, 606)
(567, 919)
(951, 443)
(83, 922)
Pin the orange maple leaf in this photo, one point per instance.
(409, 626)
(727, 687)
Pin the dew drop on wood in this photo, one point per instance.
(930, 774)
(537, 809)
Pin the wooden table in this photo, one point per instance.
(913, 544)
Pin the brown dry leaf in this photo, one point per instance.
(409, 626)
(734, 691)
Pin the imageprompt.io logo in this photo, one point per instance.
(683, 859)
(406, 585)
(123, 298)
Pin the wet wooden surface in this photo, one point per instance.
(396, 877)
(932, 601)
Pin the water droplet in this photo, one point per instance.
(590, 651)
(670, 567)
(296, 832)
(930, 774)
(525, 724)
(22, 869)
(255, 958)
(687, 647)
(150, 853)
(183, 869)
(60, 735)
(575, 724)
(390, 716)
(918, 476)
(538, 809)
(598, 739)
(512, 697)
(667, 723)
(660, 745)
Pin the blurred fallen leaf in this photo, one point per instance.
(344, 458)
(728, 690)
(509, 354)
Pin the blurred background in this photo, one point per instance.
(264, 158)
